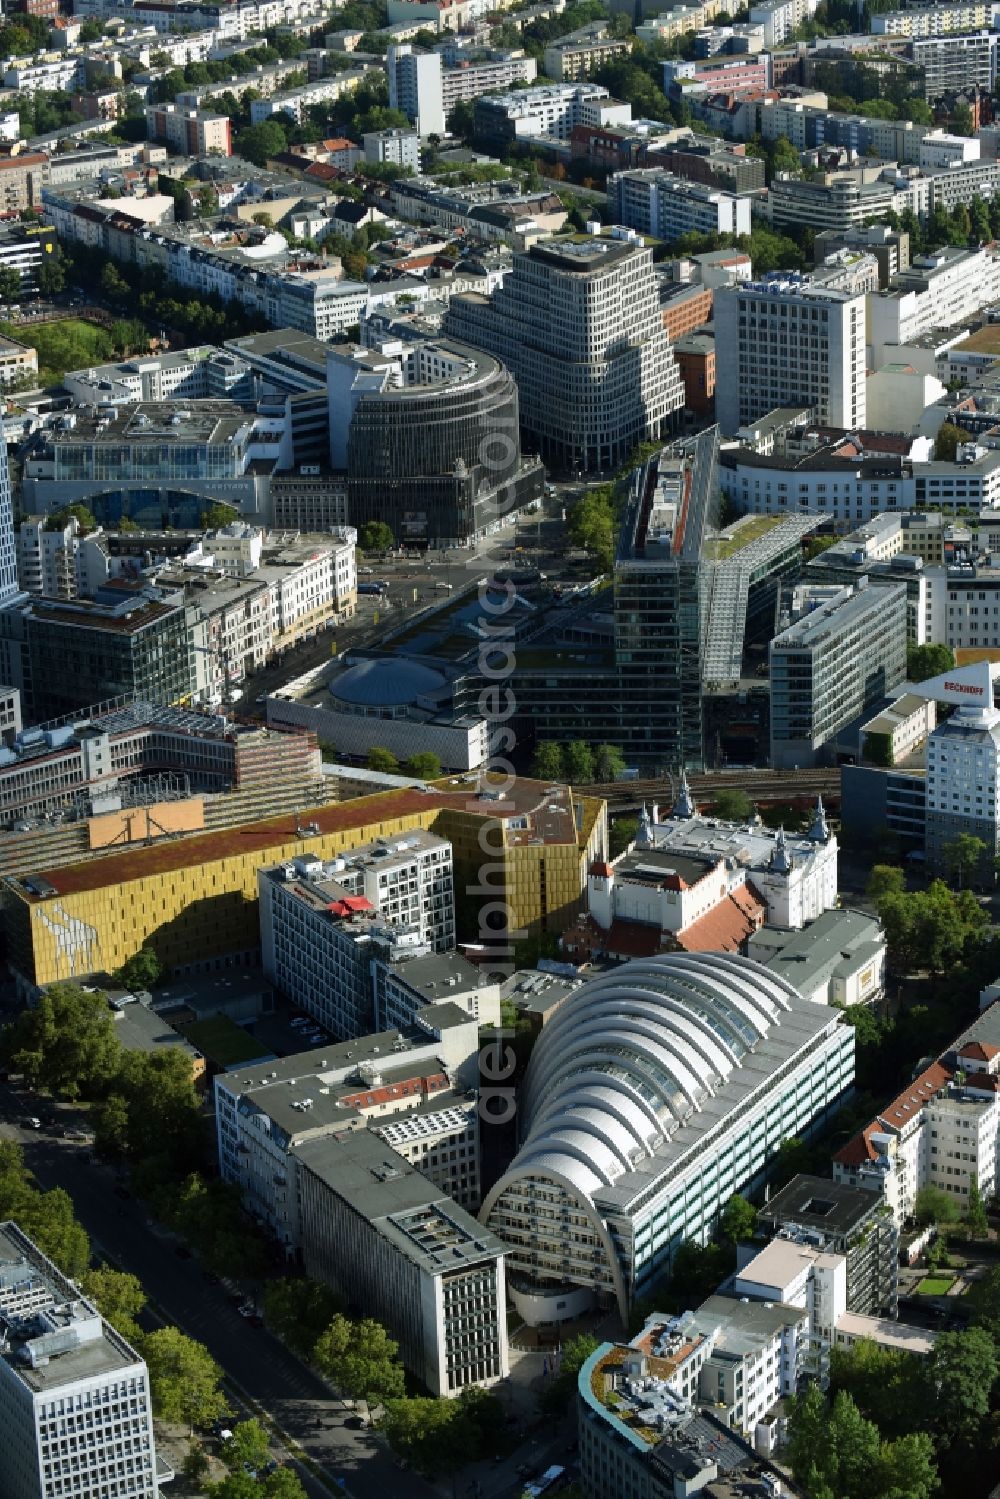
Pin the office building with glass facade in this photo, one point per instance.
(433, 444)
(578, 323)
(641, 690)
(658, 1091)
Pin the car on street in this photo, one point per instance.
(31, 1121)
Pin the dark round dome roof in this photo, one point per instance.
(388, 683)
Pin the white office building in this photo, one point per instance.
(853, 490)
(324, 923)
(939, 290)
(74, 1396)
(399, 148)
(963, 770)
(409, 1086)
(656, 1092)
(578, 325)
(942, 1130)
(795, 873)
(789, 341)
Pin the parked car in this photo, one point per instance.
(31, 1122)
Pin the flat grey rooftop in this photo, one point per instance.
(835, 943)
(828, 1207)
(422, 1223)
(38, 1303)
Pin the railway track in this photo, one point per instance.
(760, 785)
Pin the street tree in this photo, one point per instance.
(885, 879)
(217, 515)
(435, 1435)
(609, 762)
(184, 1379)
(738, 1219)
(236, 1486)
(963, 855)
(579, 761)
(879, 1380)
(143, 970)
(119, 1298)
(947, 442)
(547, 762)
(933, 1205)
(732, 805)
(561, 1388)
(52, 274)
(297, 1310)
(66, 1042)
(958, 1377)
(258, 143)
(984, 1298)
(195, 1467)
(424, 764)
(249, 1444)
(360, 1359)
(975, 1216)
(923, 661)
(376, 536)
(283, 1483)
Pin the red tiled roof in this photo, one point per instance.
(979, 1051)
(622, 939)
(727, 926)
(896, 1114)
(632, 939)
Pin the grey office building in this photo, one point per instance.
(643, 693)
(578, 323)
(435, 451)
(839, 658)
(396, 1247)
(842, 1220)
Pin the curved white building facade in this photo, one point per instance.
(657, 1091)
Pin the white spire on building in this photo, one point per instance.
(684, 805)
(781, 861)
(819, 832)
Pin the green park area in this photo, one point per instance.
(935, 1285)
(69, 344)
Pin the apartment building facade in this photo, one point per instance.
(658, 204)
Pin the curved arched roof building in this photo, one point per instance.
(657, 1091)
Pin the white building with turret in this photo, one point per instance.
(794, 873)
(702, 885)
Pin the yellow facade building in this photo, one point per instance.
(520, 857)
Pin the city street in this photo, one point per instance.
(259, 1365)
(259, 1369)
(415, 582)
